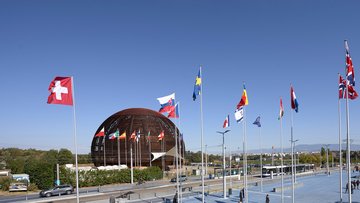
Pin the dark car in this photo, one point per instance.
(57, 190)
(182, 178)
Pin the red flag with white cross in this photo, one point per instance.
(60, 91)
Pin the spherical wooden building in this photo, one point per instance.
(145, 125)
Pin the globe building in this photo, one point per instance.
(146, 150)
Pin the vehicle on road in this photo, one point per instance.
(57, 190)
(182, 178)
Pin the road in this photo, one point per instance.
(151, 189)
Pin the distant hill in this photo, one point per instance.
(307, 148)
(299, 148)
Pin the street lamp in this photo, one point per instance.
(224, 166)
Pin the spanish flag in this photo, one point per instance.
(244, 99)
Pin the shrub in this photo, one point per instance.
(5, 183)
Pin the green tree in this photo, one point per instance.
(41, 173)
(16, 165)
(65, 157)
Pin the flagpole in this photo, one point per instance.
(180, 167)
(131, 165)
(292, 158)
(245, 158)
(140, 149)
(104, 149)
(75, 142)
(230, 163)
(244, 181)
(118, 151)
(348, 142)
(149, 140)
(340, 154)
(202, 140)
(126, 154)
(163, 157)
(261, 166)
(282, 160)
(176, 162)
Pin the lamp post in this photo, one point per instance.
(224, 163)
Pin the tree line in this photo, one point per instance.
(40, 165)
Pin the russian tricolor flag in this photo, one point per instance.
(226, 122)
(166, 103)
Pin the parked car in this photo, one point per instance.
(182, 178)
(57, 190)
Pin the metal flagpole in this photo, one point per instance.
(230, 164)
(261, 166)
(348, 142)
(149, 140)
(245, 160)
(163, 157)
(104, 149)
(140, 149)
(176, 161)
(202, 140)
(180, 147)
(131, 165)
(75, 142)
(282, 161)
(126, 154)
(134, 146)
(177, 166)
(292, 159)
(340, 154)
(118, 151)
(224, 167)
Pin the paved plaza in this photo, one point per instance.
(318, 188)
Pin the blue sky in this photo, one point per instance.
(125, 54)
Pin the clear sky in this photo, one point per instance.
(125, 54)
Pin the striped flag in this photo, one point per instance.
(294, 102)
(226, 122)
(281, 113)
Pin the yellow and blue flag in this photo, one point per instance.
(197, 86)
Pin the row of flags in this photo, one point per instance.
(239, 112)
(135, 136)
(61, 93)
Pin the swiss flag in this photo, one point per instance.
(60, 91)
